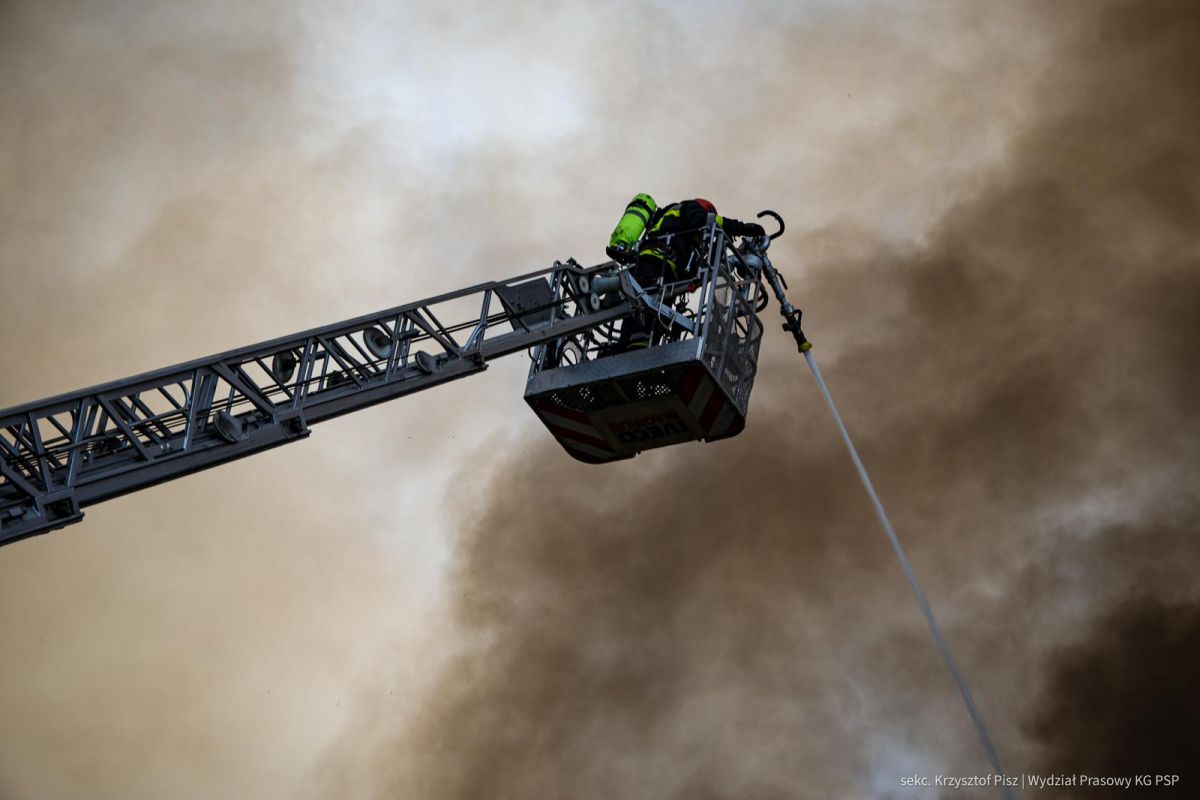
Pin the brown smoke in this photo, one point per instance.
(1124, 702)
(171, 188)
(1009, 324)
(725, 621)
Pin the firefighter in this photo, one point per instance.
(667, 260)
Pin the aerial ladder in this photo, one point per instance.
(64, 453)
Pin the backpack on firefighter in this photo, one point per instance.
(622, 245)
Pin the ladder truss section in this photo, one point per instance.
(61, 454)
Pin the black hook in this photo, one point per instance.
(778, 219)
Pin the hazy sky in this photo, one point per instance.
(993, 225)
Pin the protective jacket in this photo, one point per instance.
(681, 222)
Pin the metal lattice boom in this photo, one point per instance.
(66, 452)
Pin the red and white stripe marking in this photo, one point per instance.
(575, 431)
(706, 403)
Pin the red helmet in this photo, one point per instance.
(706, 205)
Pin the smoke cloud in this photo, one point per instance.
(725, 621)
(1123, 702)
(992, 226)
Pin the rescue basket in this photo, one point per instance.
(695, 387)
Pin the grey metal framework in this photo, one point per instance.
(66, 452)
(61, 454)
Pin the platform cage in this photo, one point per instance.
(693, 383)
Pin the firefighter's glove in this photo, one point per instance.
(754, 229)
